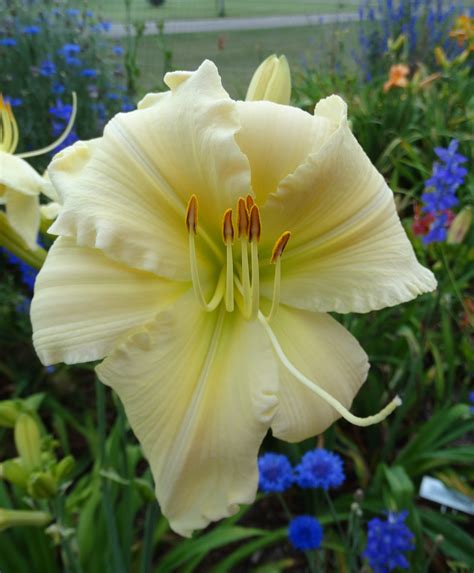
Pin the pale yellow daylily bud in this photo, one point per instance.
(28, 441)
(460, 226)
(14, 472)
(271, 81)
(441, 57)
(22, 518)
(9, 412)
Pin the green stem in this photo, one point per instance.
(16, 246)
(105, 486)
(286, 509)
(311, 558)
(343, 537)
(71, 562)
(150, 523)
(451, 278)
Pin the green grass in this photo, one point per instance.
(241, 53)
(182, 9)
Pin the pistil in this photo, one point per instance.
(342, 410)
(9, 127)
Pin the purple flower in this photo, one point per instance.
(387, 541)
(275, 473)
(320, 468)
(305, 533)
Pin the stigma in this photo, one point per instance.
(238, 285)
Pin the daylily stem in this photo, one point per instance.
(13, 243)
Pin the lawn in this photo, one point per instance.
(237, 53)
(182, 9)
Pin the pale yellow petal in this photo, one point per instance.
(199, 390)
(50, 210)
(325, 352)
(23, 214)
(18, 175)
(348, 251)
(276, 139)
(84, 302)
(127, 192)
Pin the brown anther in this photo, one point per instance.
(192, 214)
(255, 226)
(2, 102)
(228, 227)
(242, 218)
(280, 245)
(250, 202)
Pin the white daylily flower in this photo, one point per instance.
(20, 184)
(170, 265)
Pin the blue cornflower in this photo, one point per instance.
(117, 50)
(69, 49)
(74, 12)
(47, 68)
(7, 42)
(28, 274)
(127, 106)
(471, 399)
(73, 61)
(387, 542)
(89, 73)
(61, 110)
(58, 88)
(320, 468)
(113, 96)
(31, 30)
(275, 473)
(14, 101)
(305, 533)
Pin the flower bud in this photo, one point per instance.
(42, 486)
(271, 81)
(9, 412)
(28, 441)
(14, 472)
(18, 518)
(64, 468)
(460, 226)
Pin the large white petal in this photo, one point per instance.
(18, 175)
(199, 390)
(277, 139)
(127, 192)
(348, 250)
(324, 351)
(84, 302)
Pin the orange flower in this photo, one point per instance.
(464, 31)
(397, 77)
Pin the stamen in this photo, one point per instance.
(243, 221)
(191, 225)
(278, 249)
(61, 138)
(250, 202)
(8, 127)
(228, 236)
(254, 236)
(356, 420)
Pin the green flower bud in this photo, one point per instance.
(9, 412)
(14, 472)
(460, 226)
(28, 441)
(64, 468)
(42, 485)
(271, 81)
(21, 518)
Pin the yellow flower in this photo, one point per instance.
(397, 77)
(20, 184)
(463, 31)
(271, 81)
(201, 243)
